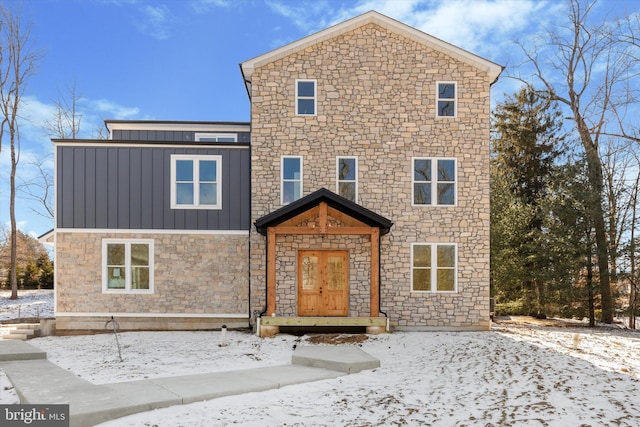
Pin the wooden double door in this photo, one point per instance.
(323, 283)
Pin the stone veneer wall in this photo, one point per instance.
(376, 93)
(193, 274)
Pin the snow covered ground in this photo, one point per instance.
(518, 374)
(32, 304)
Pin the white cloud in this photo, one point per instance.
(202, 6)
(109, 108)
(156, 21)
(485, 27)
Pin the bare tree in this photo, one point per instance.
(40, 188)
(17, 64)
(67, 118)
(590, 69)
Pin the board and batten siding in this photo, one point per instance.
(169, 135)
(129, 188)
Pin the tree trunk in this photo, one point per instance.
(632, 259)
(12, 213)
(596, 182)
(592, 311)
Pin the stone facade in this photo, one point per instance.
(376, 99)
(200, 282)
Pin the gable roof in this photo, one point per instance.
(312, 200)
(491, 68)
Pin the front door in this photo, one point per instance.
(323, 283)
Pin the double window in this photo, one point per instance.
(434, 267)
(434, 181)
(347, 177)
(305, 97)
(290, 179)
(196, 182)
(446, 102)
(127, 266)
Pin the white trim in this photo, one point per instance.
(434, 268)
(149, 231)
(338, 158)
(491, 68)
(196, 159)
(455, 98)
(315, 96)
(199, 135)
(147, 314)
(434, 182)
(282, 202)
(127, 259)
(170, 144)
(184, 127)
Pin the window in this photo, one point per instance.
(347, 177)
(434, 267)
(434, 181)
(216, 137)
(291, 179)
(305, 97)
(446, 101)
(196, 182)
(127, 266)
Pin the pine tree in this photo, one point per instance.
(526, 141)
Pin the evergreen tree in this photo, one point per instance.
(526, 134)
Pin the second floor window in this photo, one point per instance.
(347, 177)
(291, 179)
(196, 182)
(434, 181)
(305, 97)
(446, 99)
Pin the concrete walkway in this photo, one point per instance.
(38, 381)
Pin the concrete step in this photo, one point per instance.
(343, 359)
(20, 331)
(17, 351)
(14, 336)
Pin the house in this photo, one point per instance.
(358, 194)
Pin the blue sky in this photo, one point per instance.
(178, 59)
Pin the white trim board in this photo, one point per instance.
(148, 315)
(151, 231)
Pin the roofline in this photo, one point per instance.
(493, 69)
(174, 125)
(174, 122)
(334, 200)
(146, 143)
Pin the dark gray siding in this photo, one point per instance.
(168, 135)
(129, 188)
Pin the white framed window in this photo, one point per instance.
(290, 179)
(446, 99)
(127, 266)
(434, 181)
(196, 182)
(216, 137)
(434, 267)
(305, 97)
(347, 177)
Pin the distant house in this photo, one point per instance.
(358, 194)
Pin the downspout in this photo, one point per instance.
(250, 212)
(380, 277)
(266, 286)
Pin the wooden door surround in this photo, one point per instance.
(314, 221)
